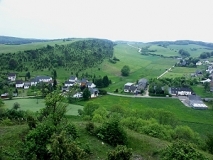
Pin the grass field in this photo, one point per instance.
(32, 105)
(194, 53)
(15, 48)
(199, 120)
(199, 90)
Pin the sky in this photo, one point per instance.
(130, 20)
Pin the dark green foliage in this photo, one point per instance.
(75, 56)
(90, 127)
(105, 81)
(125, 70)
(184, 53)
(102, 92)
(86, 94)
(112, 133)
(16, 105)
(120, 153)
(62, 147)
(181, 150)
(205, 55)
(209, 143)
(28, 75)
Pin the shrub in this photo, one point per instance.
(181, 150)
(120, 153)
(90, 127)
(209, 143)
(112, 133)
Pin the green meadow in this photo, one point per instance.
(198, 120)
(32, 105)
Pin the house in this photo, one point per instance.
(11, 76)
(69, 84)
(38, 79)
(27, 85)
(90, 85)
(206, 80)
(4, 95)
(73, 79)
(83, 82)
(209, 69)
(127, 87)
(175, 91)
(142, 83)
(19, 84)
(94, 92)
(195, 102)
(199, 63)
(78, 95)
(65, 89)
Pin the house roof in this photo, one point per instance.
(142, 80)
(19, 82)
(93, 90)
(194, 98)
(129, 84)
(72, 77)
(68, 82)
(37, 78)
(11, 74)
(175, 90)
(83, 81)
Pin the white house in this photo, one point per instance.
(78, 95)
(38, 79)
(11, 76)
(27, 85)
(73, 79)
(180, 91)
(90, 85)
(206, 80)
(94, 92)
(69, 84)
(19, 84)
(127, 87)
(199, 63)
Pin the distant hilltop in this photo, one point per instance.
(16, 41)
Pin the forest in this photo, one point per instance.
(75, 56)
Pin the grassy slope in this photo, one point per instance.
(31, 104)
(199, 120)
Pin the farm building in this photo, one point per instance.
(195, 102)
(180, 91)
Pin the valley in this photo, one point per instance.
(150, 123)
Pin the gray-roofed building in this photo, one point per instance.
(142, 84)
(73, 79)
(94, 92)
(39, 79)
(196, 102)
(19, 84)
(176, 91)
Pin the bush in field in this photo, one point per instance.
(209, 143)
(120, 153)
(181, 150)
(100, 115)
(112, 133)
(185, 133)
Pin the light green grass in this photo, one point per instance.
(196, 53)
(180, 72)
(199, 90)
(32, 105)
(15, 48)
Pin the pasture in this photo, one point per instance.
(141, 66)
(198, 120)
(32, 105)
(30, 46)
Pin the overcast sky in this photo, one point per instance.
(136, 20)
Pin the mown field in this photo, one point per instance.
(32, 105)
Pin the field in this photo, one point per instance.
(199, 120)
(32, 105)
(143, 66)
(15, 48)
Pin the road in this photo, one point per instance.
(165, 72)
